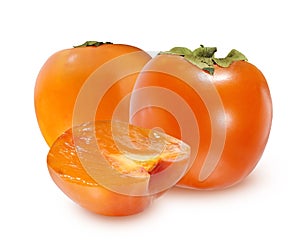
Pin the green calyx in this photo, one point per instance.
(204, 57)
(91, 44)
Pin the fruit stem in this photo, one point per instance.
(92, 44)
(204, 57)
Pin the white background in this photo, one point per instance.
(263, 209)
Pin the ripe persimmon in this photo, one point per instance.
(65, 74)
(115, 169)
(221, 107)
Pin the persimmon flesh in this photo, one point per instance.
(113, 168)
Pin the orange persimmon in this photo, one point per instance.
(221, 107)
(85, 83)
(115, 169)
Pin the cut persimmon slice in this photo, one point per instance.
(117, 157)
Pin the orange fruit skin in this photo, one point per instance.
(99, 200)
(63, 75)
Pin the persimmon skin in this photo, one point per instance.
(63, 75)
(245, 115)
(99, 200)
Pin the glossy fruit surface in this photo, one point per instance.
(223, 113)
(116, 169)
(85, 83)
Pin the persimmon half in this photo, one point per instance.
(85, 83)
(116, 169)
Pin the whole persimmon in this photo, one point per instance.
(221, 107)
(84, 83)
